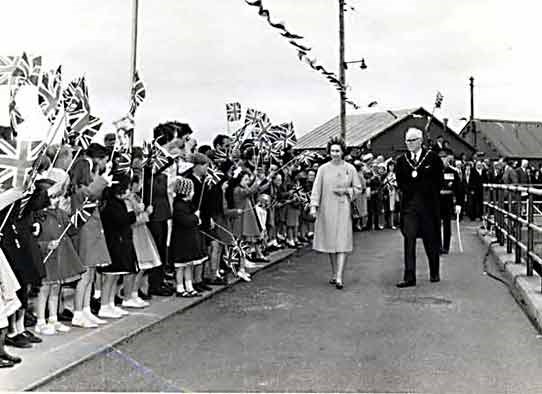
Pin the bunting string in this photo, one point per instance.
(302, 50)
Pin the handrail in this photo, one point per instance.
(509, 211)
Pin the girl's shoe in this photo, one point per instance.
(80, 320)
(94, 319)
(60, 327)
(142, 302)
(332, 281)
(339, 285)
(45, 329)
(132, 303)
(107, 312)
(244, 275)
(121, 311)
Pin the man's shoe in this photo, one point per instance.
(18, 341)
(9, 357)
(435, 279)
(31, 337)
(6, 363)
(404, 284)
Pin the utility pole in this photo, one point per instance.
(472, 124)
(133, 64)
(341, 70)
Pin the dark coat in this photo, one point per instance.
(523, 177)
(64, 264)
(185, 243)
(20, 248)
(160, 198)
(117, 224)
(421, 194)
(452, 191)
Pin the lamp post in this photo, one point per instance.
(343, 65)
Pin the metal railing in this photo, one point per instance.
(509, 210)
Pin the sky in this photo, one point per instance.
(195, 56)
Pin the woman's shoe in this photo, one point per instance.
(339, 285)
(332, 281)
(194, 293)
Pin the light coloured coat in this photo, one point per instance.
(334, 188)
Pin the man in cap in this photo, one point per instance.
(419, 177)
(451, 195)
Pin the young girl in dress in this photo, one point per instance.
(239, 196)
(146, 251)
(185, 248)
(117, 218)
(63, 264)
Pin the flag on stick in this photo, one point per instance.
(233, 112)
(138, 94)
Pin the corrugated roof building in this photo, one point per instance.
(384, 131)
(505, 138)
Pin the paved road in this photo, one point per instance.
(289, 330)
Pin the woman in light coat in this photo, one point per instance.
(336, 185)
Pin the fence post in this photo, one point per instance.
(530, 233)
(500, 215)
(518, 226)
(508, 219)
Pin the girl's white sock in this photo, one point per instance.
(20, 325)
(53, 319)
(180, 288)
(41, 322)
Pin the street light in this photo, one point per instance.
(363, 66)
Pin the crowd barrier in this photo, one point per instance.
(514, 213)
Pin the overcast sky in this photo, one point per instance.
(194, 56)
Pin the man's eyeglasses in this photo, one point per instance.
(412, 140)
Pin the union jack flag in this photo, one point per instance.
(288, 139)
(49, 93)
(233, 112)
(26, 71)
(214, 175)
(82, 214)
(15, 162)
(309, 157)
(7, 65)
(253, 116)
(138, 94)
(160, 157)
(122, 163)
(438, 100)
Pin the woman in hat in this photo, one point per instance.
(335, 187)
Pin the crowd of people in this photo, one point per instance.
(120, 224)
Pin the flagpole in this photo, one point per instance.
(135, 9)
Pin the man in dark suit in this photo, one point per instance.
(476, 190)
(523, 176)
(419, 178)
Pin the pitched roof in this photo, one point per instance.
(359, 128)
(512, 138)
